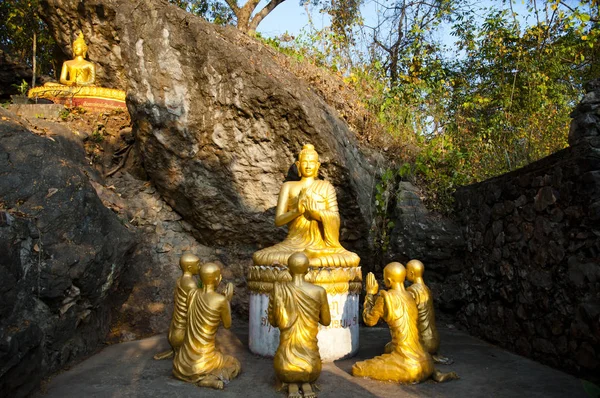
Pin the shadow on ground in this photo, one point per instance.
(128, 370)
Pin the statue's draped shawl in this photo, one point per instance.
(296, 314)
(198, 356)
(318, 239)
(180, 308)
(426, 321)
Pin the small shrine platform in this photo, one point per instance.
(128, 370)
(94, 98)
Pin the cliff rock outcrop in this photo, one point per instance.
(61, 255)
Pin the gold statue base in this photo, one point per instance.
(89, 97)
(336, 341)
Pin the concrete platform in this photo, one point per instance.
(128, 370)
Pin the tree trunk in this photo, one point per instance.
(34, 59)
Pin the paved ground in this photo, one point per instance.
(128, 370)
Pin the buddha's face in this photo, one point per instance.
(78, 49)
(308, 165)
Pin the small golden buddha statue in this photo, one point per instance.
(76, 84)
(309, 208)
(198, 360)
(428, 333)
(189, 266)
(407, 362)
(297, 308)
(78, 71)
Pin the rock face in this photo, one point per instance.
(61, 255)
(219, 123)
(437, 241)
(532, 281)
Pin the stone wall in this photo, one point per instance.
(532, 281)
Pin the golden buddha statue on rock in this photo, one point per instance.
(76, 87)
(78, 71)
(296, 308)
(428, 333)
(310, 210)
(198, 360)
(189, 266)
(407, 362)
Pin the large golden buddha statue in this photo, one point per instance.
(76, 87)
(309, 208)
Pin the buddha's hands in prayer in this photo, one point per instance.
(306, 204)
(229, 291)
(372, 286)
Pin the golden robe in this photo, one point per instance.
(198, 357)
(319, 240)
(426, 321)
(408, 362)
(180, 309)
(296, 313)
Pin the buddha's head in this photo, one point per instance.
(79, 46)
(308, 161)
(210, 274)
(298, 264)
(414, 270)
(394, 273)
(189, 263)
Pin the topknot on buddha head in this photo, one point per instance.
(308, 150)
(80, 42)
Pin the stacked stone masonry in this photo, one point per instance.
(532, 276)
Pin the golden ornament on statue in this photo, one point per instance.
(296, 308)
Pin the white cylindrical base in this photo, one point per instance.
(338, 340)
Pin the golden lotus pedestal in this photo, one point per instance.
(88, 97)
(343, 286)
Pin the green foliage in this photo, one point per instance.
(20, 20)
(97, 136)
(22, 88)
(497, 101)
(384, 198)
(212, 10)
(64, 114)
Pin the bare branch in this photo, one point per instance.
(263, 13)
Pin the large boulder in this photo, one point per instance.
(218, 121)
(61, 255)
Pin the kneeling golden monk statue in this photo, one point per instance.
(408, 362)
(198, 360)
(189, 266)
(428, 333)
(297, 308)
(310, 210)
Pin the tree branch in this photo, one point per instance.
(233, 5)
(263, 13)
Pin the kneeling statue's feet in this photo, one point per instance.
(307, 391)
(164, 355)
(442, 359)
(294, 391)
(443, 377)
(211, 382)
